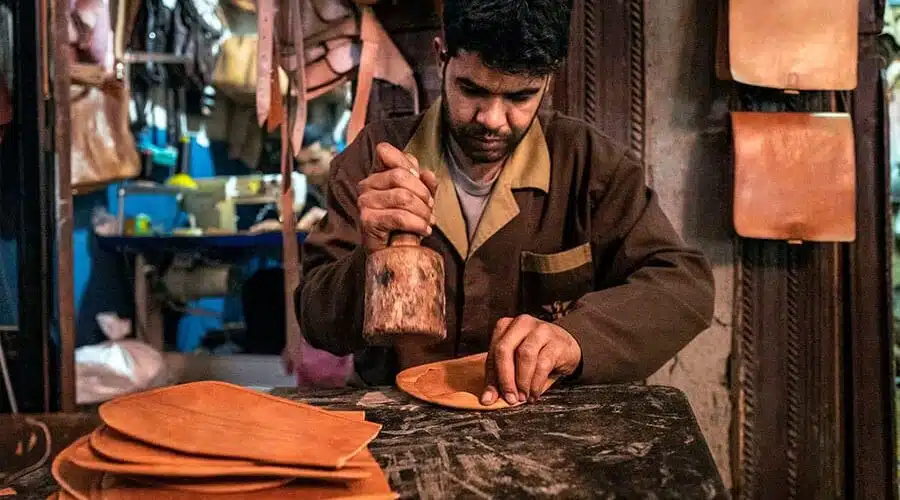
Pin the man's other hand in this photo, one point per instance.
(524, 352)
(396, 197)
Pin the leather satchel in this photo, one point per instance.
(103, 147)
(794, 176)
(788, 44)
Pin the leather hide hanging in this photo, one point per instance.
(794, 176)
(788, 44)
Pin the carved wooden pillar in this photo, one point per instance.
(812, 372)
(812, 376)
(871, 450)
(603, 79)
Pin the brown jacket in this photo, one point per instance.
(571, 234)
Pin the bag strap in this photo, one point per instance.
(265, 53)
(290, 251)
(366, 75)
(298, 127)
(91, 75)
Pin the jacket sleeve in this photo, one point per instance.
(329, 301)
(653, 292)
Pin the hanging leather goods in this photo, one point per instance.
(324, 44)
(788, 44)
(794, 176)
(278, 117)
(103, 148)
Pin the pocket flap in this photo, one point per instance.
(559, 262)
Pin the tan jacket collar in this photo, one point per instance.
(527, 167)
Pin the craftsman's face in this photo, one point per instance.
(488, 111)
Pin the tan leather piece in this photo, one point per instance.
(85, 484)
(794, 176)
(118, 447)
(793, 44)
(118, 488)
(86, 457)
(69, 471)
(375, 487)
(213, 486)
(74, 480)
(456, 383)
(191, 418)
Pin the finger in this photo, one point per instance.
(414, 162)
(396, 178)
(527, 355)
(547, 361)
(394, 219)
(490, 394)
(388, 157)
(504, 355)
(395, 198)
(430, 180)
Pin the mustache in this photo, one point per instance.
(480, 132)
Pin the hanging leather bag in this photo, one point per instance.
(103, 147)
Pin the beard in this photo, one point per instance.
(479, 143)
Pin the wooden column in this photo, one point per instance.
(603, 78)
(813, 382)
(27, 146)
(871, 450)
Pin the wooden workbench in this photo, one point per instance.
(577, 442)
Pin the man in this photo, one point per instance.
(559, 260)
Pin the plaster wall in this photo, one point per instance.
(687, 155)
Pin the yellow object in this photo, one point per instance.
(181, 180)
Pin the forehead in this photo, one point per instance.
(468, 65)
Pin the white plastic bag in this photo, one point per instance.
(118, 366)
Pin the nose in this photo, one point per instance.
(492, 115)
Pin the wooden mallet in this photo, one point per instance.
(404, 292)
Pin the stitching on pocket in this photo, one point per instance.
(556, 262)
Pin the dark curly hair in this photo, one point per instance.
(512, 36)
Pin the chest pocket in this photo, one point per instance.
(551, 283)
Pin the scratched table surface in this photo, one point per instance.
(577, 442)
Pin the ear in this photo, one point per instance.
(440, 52)
(438, 46)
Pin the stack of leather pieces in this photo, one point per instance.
(218, 440)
